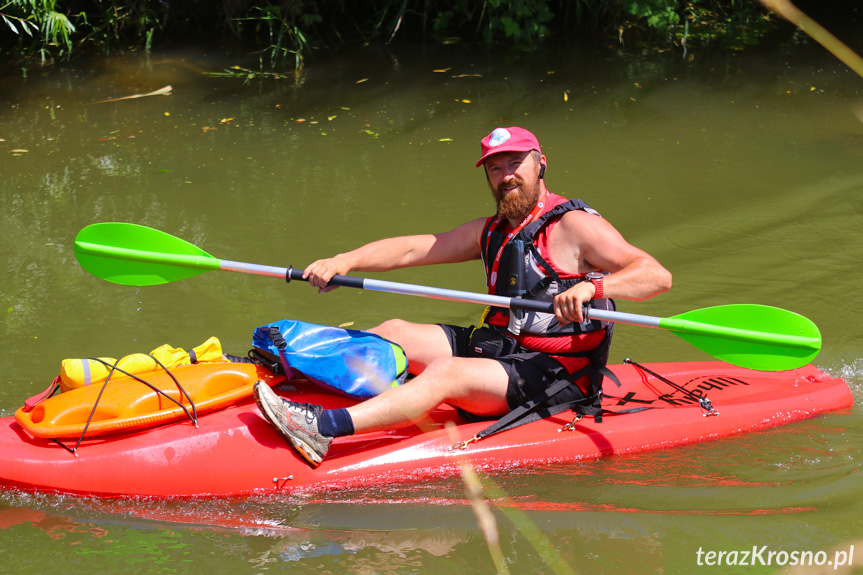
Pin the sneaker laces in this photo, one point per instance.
(311, 411)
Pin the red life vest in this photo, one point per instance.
(571, 344)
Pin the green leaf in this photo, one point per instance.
(510, 27)
(10, 24)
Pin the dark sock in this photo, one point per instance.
(335, 423)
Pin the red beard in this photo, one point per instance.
(516, 205)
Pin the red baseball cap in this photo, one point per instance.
(512, 139)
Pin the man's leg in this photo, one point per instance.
(475, 385)
(423, 343)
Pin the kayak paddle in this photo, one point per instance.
(753, 336)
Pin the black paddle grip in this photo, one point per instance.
(539, 306)
(343, 281)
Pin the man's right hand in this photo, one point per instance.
(320, 272)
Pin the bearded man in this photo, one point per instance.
(571, 257)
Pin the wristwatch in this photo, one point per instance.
(596, 279)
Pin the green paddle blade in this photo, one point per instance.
(752, 336)
(135, 255)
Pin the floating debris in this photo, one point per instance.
(166, 91)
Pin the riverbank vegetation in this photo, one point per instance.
(286, 31)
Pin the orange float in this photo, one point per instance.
(127, 404)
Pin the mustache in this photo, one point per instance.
(502, 188)
(514, 205)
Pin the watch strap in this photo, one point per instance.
(597, 284)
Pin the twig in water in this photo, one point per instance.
(160, 92)
(818, 33)
(484, 516)
(488, 524)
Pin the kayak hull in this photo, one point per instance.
(235, 452)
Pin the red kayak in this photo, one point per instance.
(235, 452)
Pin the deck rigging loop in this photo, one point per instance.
(193, 415)
(702, 400)
(463, 444)
(571, 425)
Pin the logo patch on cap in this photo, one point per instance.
(498, 137)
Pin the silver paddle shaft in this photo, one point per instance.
(290, 273)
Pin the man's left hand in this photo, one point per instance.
(569, 305)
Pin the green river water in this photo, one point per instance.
(741, 172)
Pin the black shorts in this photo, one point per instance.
(530, 372)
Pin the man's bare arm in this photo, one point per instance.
(597, 245)
(457, 245)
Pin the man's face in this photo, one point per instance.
(515, 184)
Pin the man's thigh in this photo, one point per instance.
(423, 343)
(475, 385)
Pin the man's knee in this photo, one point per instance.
(444, 374)
(444, 367)
(391, 329)
(476, 385)
(423, 343)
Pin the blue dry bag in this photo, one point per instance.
(351, 362)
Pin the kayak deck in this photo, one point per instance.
(235, 452)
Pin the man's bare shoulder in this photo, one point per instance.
(581, 217)
(582, 223)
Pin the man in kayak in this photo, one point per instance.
(573, 257)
